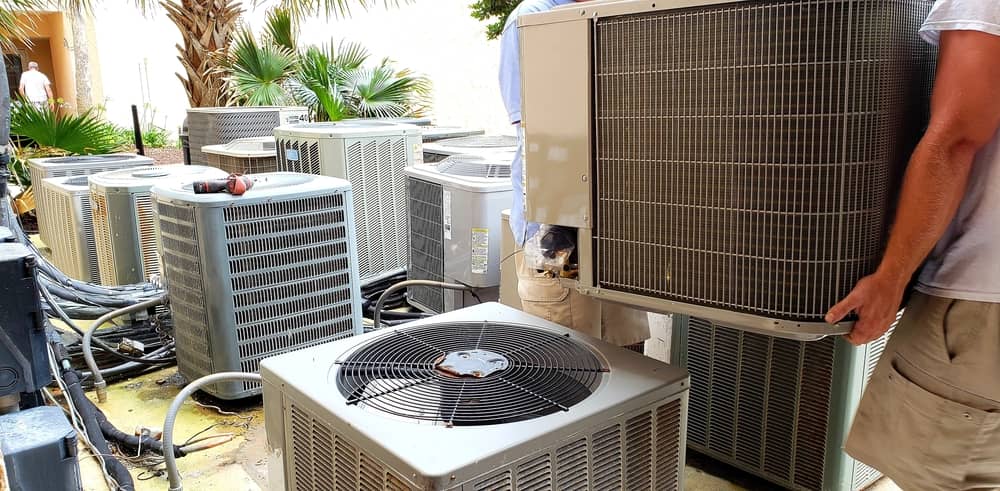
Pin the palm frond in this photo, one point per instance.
(281, 29)
(301, 9)
(317, 74)
(14, 27)
(257, 71)
(71, 133)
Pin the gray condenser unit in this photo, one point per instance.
(480, 399)
(125, 234)
(244, 155)
(75, 165)
(372, 155)
(265, 273)
(775, 407)
(470, 145)
(454, 222)
(216, 125)
(736, 161)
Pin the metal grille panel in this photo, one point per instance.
(426, 242)
(475, 166)
(182, 270)
(243, 165)
(375, 169)
(72, 233)
(751, 152)
(146, 227)
(285, 305)
(222, 126)
(102, 239)
(306, 151)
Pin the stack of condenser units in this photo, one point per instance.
(372, 156)
(78, 165)
(742, 170)
(125, 232)
(244, 155)
(455, 209)
(252, 276)
(520, 403)
(477, 145)
(217, 125)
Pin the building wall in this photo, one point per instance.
(435, 37)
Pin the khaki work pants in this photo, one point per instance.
(547, 298)
(930, 417)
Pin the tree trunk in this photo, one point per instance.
(206, 28)
(81, 60)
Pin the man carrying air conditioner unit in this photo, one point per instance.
(930, 417)
(544, 248)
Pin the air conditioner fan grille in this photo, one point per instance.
(397, 374)
(474, 166)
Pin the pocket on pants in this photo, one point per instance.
(917, 438)
(545, 298)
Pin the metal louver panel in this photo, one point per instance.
(290, 276)
(475, 166)
(321, 460)
(750, 151)
(298, 156)
(147, 230)
(426, 258)
(242, 165)
(72, 231)
(375, 169)
(182, 270)
(102, 240)
(222, 126)
(764, 404)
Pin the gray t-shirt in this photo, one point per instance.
(965, 265)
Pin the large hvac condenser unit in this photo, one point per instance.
(244, 155)
(454, 222)
(775, 407)
(76, 165)
(217, 125)
(125, 233)
(71, 227)
(485, 398)
(372, 156)
(466, 145)
(736, 161)
(265, 273)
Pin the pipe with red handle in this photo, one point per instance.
(235, 185)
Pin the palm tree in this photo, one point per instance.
(208, 27)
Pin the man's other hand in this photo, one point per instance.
(876, 300)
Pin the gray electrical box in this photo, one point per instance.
(23, 358)
(39, 451)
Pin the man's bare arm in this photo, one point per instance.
(965, 116)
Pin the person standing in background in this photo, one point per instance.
(541, 293)
(35, 87)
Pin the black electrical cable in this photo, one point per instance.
(131, 442)
(97, 342)
(86, 408)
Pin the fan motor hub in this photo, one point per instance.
(475, 363)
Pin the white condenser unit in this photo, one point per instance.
(775, 407)
(455, 211)
(733, 161)
(371, 155)
(217, 125)
(435, 133)
(252, 276)
(125, 232)
(244, 155)
(75, 165)
(481, 399)
(71, 227)
(476, 145)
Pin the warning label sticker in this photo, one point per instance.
(480, 250)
